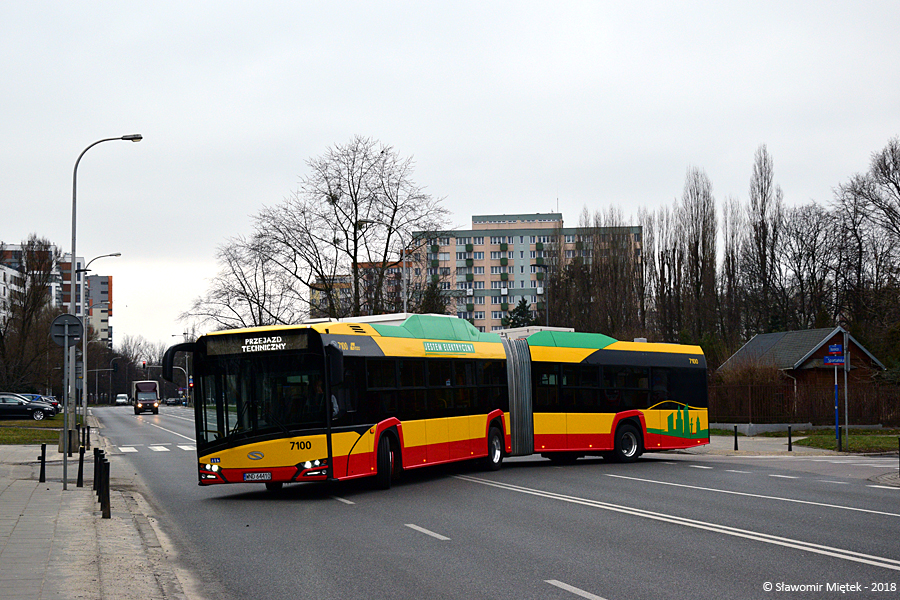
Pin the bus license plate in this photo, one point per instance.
(257, 476)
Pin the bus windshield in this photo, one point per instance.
(246, 395)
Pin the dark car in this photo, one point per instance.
(174, 401)
(18, 407)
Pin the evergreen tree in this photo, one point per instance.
(520, 316)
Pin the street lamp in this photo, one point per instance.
(84, 337)
(136, 137)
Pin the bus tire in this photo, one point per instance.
(627, 444)
(495, 450)
(387, 463)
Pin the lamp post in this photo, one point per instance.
(136, 137)
(84, 337)
(187, 366)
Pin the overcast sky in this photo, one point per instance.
(506, 107)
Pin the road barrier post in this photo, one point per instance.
(104, 500)
(790, 447)
(735, 438)
(43, 459)
(80, 481)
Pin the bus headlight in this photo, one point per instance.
(315, 464)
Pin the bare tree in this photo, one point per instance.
(698, 226)
(25, 351)
(248, 291)
(731, 291)
(358, 205)
(880, 187)
(760, 261)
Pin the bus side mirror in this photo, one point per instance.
(169, 358)
(334, 362)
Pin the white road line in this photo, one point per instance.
(868, 559)
(344, 500)
(884, 487)
(783, 476)
(736, 471)
(573, 589)
(172, 432)
(127, 449)
(706, 489)
(158, 448)
(837, 482)
(426, 532)
(188, 448)
(699, 467)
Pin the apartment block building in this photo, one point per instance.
(504, 258)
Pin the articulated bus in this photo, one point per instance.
(343, 400)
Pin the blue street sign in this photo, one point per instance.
(833, 360)
(835, 349)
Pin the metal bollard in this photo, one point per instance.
(104, 502)
(839, 440)
(790, 447)
(43, 459)
(96, 469)
(80, 481)
(735, 438)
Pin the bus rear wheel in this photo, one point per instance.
(495, 450)
(387, 462)
(628, 444)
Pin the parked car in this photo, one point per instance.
(122, 399)
(174, 401)
(19, 407)
(46, 399)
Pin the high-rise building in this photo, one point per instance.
(503, 258)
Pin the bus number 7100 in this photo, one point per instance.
(301, 445)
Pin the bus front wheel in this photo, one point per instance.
(628, 444)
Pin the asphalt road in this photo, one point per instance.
(669, 526)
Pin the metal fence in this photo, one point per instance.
(869, 404)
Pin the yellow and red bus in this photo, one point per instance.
(343, 400)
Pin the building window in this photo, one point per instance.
(478, 255)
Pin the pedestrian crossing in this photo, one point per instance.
(155, 448)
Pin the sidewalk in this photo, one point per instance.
(723, 445)
(55, 544)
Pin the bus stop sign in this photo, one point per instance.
(66, 329)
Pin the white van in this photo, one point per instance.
(122, 399)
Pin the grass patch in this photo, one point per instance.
(724, 432)
(28, 435)
(54, 423)
(858, 442)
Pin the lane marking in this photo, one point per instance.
(158, 448)
(706, 489)
(127, 449)
(783, 476)
(835, 482)
(884, 487)
(344, 500)
(189, 448)
(736, 471)
(573, 589)
(426, 532)
(859, 557)
(699, 467)
(172, 432)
